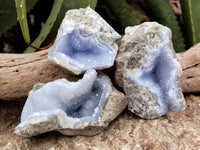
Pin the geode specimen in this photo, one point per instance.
(84, 41)
(149, 71)
(84, 107)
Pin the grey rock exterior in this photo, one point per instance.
(149, 71)
(90, 21)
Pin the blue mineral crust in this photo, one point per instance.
(158, 74)
(72, 105)
(76, 99)
(78, 52)
(149, 72)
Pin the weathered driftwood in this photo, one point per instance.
(190, 62)
(19, 72)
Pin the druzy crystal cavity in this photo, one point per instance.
(79, 52)
(84, 41)
(72, 108)
(150, 70)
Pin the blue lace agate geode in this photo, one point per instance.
(72, 108)
(151, 71)
(79, 52)
(84, 41)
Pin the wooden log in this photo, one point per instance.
(190, 62)
(19, 72)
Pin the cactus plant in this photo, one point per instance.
(125, 15)
(164, 14)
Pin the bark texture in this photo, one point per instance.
(190, 62)
(19, 72)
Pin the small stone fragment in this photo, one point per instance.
(149, 71)
(72, 108)
(84, 41)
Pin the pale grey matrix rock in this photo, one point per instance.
(84, 107)
(149, 71)
(84, 41)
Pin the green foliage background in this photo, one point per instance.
(183, 36)
(8, 15)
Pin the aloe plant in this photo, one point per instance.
(47, 26)
(56, 16)
(191, 21)
(163, 13)
(22, 18)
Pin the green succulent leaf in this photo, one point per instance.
(196, 18)
(195, 5)
(22, 18)
(8, 15)
(163, 13)
(47, 26)
(56, 16)
(125, 15)
(191, 21)
(72, 4)
(30, 4)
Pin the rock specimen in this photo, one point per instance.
(84, 41)
(174, 131)
(84, 107)
(149, 72)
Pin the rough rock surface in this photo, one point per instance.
(84, 107)
(90, 21)
(174, 131)
(149, 71)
